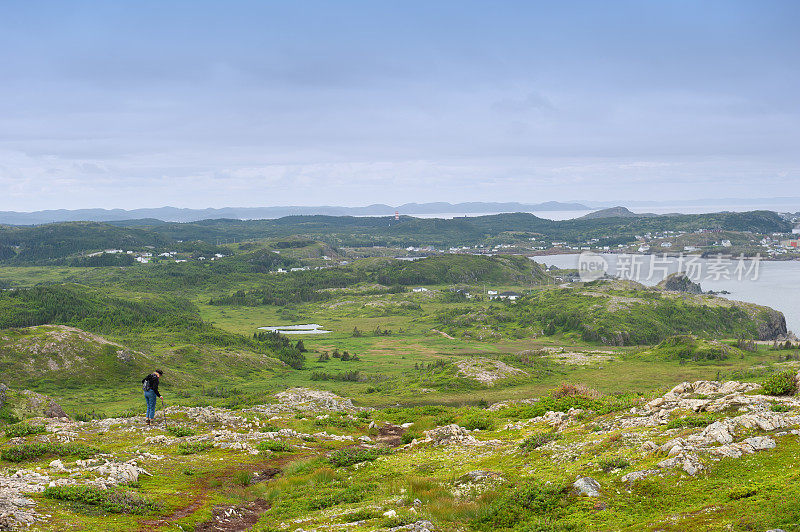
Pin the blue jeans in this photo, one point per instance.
(150, 397)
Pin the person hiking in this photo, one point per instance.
(151, 393)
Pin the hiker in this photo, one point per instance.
(151, 394)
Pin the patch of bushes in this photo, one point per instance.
(180, 432)
(88, 416)
(783, 383)
(779, 407)
(615, 462)
(8, 416)
(574, 390)
(354, 455)
(24, 429)
(348, 495)
(32, 451)
(109, 500)
(534, 441)
(268, 427)
(194, 447)
(533, 500)
(689, 421)
(336, 421)
(479, 421)
(276, 446)
(243, 478)
(409, 436)
(744, 491)
(688, 347)
(361, 515)
(345, 376)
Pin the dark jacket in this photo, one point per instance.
(153, 380)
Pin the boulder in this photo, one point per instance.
(587, 486)
(449, 434)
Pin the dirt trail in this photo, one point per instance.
(443, 334)
(223, 516)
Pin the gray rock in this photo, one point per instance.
(587, 486)
(760, 443)
(419, 526)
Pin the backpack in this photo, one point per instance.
(146, 384)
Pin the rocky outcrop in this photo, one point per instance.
(449, 434)
(679, 282)
(772, 325)
(722, 438)
(486, 371)
(26, 404)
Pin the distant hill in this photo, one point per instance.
(54, 243)
(173, 214)
(616, 212)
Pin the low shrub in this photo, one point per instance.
(444, 419)
(409, 436)
(268, 427)
(8, 416)
(743, 491)
(32, 451)
(534, 441)
(115, 501)
(276, 446)
(783, 383)
(363, 514)
(88, 416)
(479, 421)
(615, 462)
(689, 421)
(24, 429)
(354, 455)
(337, 421)
(574, 390)
(187, 447)
(532, 500)
(779, 407)
(349, 495)
(180, 432)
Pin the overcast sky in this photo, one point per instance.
(233, 103)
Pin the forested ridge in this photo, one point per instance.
(52, 243)
(94, 310)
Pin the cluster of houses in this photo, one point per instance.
(145, 257)
(491, 294)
